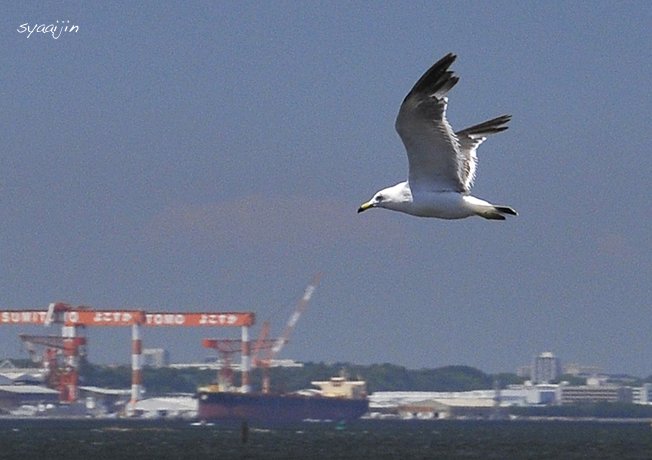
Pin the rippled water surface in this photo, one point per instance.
(80, 439)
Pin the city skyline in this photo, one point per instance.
(162, 357)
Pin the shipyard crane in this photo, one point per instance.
(262, 337)
(274, 350)
(61, 374)
(260, 344)
(73, 318)
(226, 348)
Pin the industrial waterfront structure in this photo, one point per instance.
(63, 353)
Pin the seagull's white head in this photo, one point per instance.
(396, 198)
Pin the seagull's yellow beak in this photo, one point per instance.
(365, 206)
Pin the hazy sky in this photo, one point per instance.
(189, 156)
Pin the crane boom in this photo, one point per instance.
(262, 339)
(301, 306)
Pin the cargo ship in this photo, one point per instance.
(337, 399)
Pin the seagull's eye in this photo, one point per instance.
(380, 198)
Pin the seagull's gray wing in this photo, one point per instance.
(434, 153)
(469, 139)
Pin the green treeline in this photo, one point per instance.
(379, 377)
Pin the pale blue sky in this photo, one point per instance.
(212, 155)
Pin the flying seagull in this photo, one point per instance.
(441, 163)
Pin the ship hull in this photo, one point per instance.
(256, 407)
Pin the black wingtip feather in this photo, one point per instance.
(506, 210)
(492, 126)
(437, 78)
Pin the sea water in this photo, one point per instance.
(363, 439)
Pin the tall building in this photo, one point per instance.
(545, 368)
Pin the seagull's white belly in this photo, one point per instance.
(444, 205)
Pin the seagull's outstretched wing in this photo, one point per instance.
(469, 139)
(434, 153)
